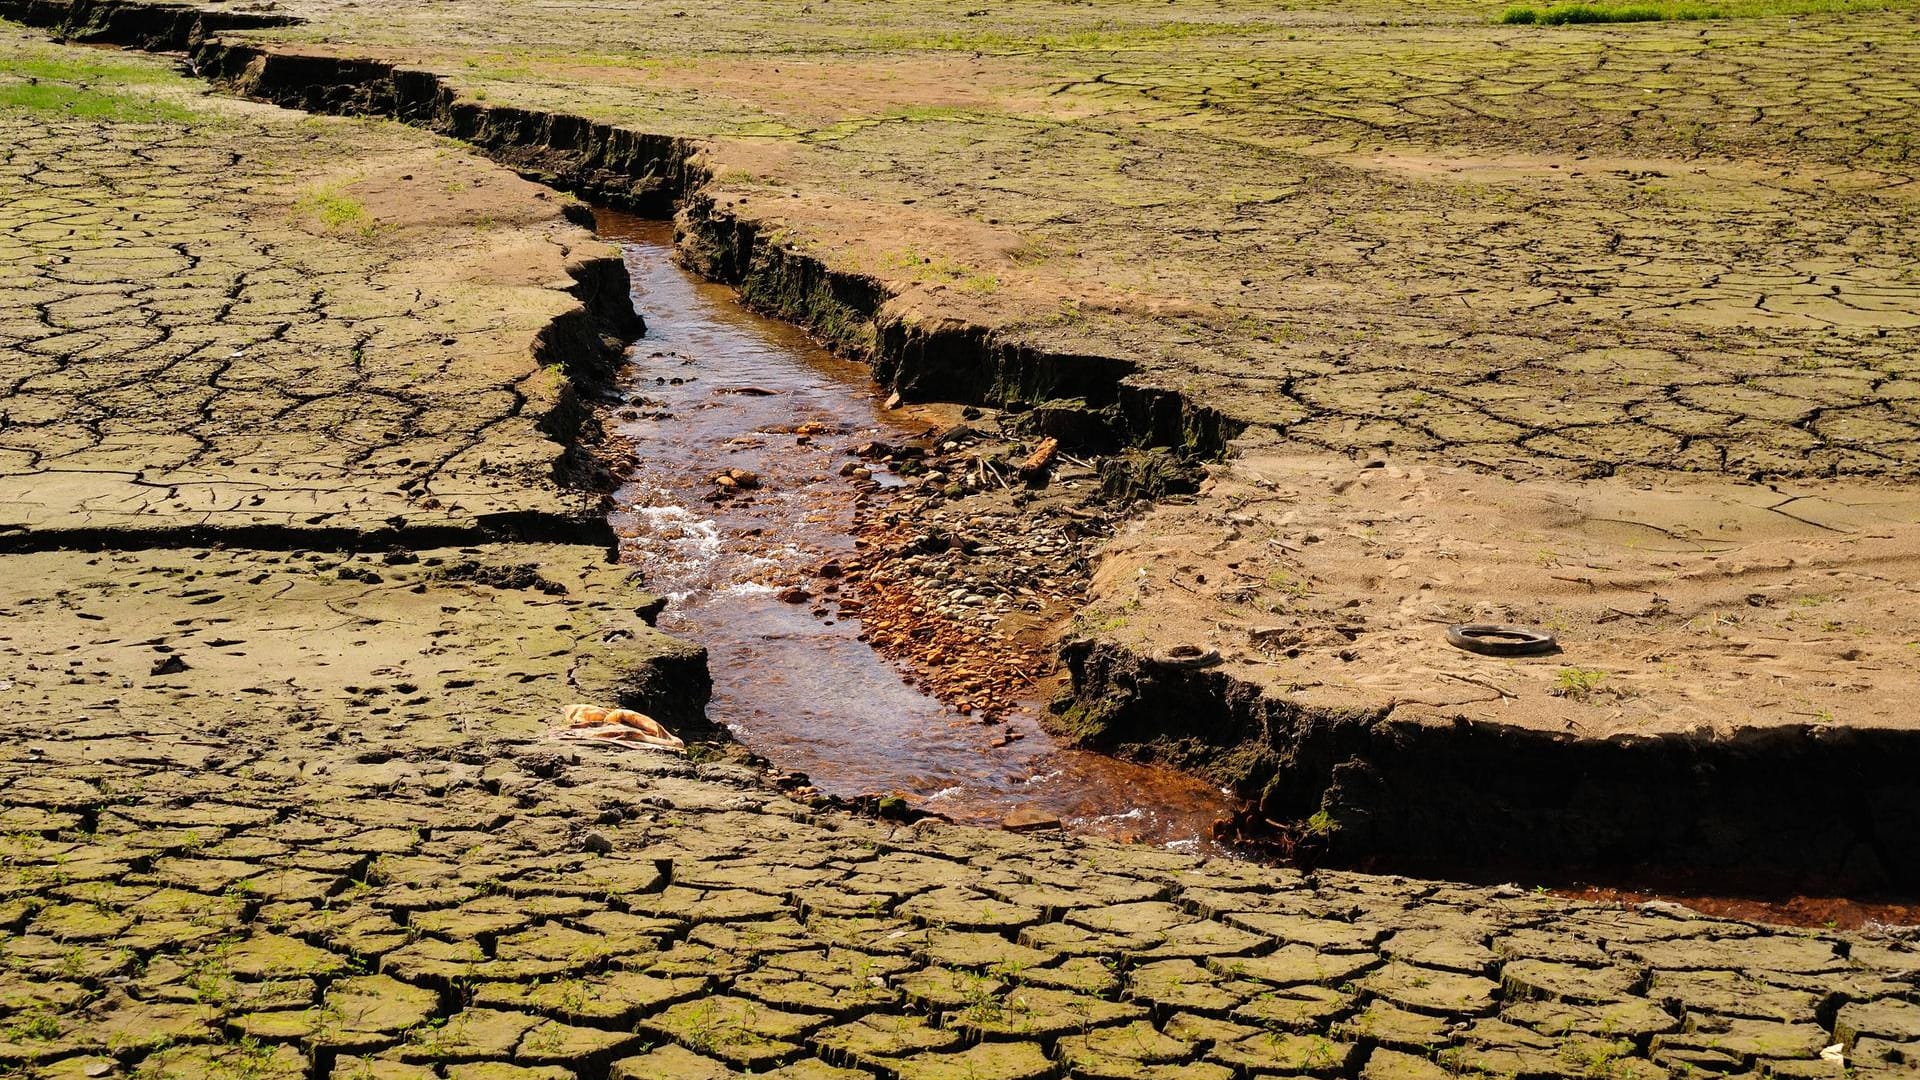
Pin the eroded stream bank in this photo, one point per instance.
(713, 388)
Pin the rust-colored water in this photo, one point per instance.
(718, 387)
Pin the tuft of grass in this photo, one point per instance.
(76, 103)
(336, 212)
(1579, 684)
(35, 1024)
(1681, 11)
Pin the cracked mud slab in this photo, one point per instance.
(1567, 250)
(226, 316)
(1679, 606)
(500, 908)
(1728, 707)
(200, 880)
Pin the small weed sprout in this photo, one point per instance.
(1577, 684)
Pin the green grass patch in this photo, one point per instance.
(86, 84)
(336, 212)
(1568, 14)
(88, 68)
(72, 102)
(1678, 11)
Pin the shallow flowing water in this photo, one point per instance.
(712, 387)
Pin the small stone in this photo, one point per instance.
(1028, 819)
(169, 665)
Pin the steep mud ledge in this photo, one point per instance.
(1795, 806)
(944, 360)
(589, 345)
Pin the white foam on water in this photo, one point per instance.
(680, 549)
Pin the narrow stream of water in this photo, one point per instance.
(713, 387)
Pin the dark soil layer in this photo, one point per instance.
(1783, 808)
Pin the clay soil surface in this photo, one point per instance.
(1683, 244)
(1514, 261)
(1680, 604)
(194, 287)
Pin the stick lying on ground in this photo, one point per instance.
(622, 727)
(1036, 464)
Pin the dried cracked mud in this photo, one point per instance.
(277, 799)
(1682, 244)
(193, 310)
(1627, 256)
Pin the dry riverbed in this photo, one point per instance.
(1536, 253)
(277, 790)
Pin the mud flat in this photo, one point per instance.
(1448, 243)
(1731, 695)
(276, 797)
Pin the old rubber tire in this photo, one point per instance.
(1492, 639)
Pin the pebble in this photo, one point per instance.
(1028, 819)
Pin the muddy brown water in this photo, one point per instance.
(712, 386)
